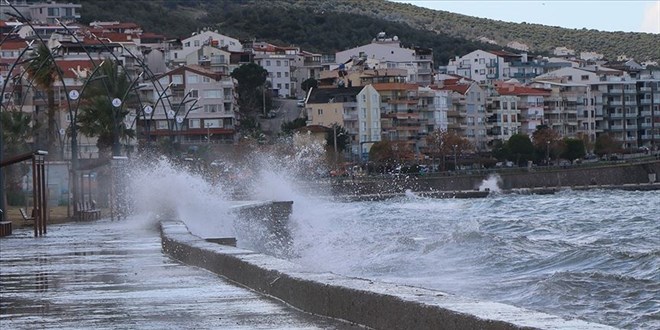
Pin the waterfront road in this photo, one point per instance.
(113, 275)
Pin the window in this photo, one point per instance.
(279, 86)
(211, 108)
(267, 62)
(286, 86)
(161, 124)
(584, 77)
(286, 74)
(278, 63)
(187, 44)
(212, 93)
(320, 111)
(194, 123)
(206, 79)
(177, 79)
(482, 71)
(279, 75)
(53, 12)
(196, 43)
(482, 61)
(505, 105)
(212, 123)
(194, 93)
(286, 63)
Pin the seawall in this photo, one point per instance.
(361, 301)
(594, 176)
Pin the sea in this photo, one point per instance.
(592, 255)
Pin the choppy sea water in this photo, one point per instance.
(592, 255)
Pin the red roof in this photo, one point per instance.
(520, 90)
(457, 88)
(13, 44)
(68, 67)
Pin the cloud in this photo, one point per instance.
(651, 20)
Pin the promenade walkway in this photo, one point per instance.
(113, 275)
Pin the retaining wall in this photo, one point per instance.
(361, 301)
(620, 174)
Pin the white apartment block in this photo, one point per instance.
(368, 119)
(388, 53)
(197, 40)
(279, 67)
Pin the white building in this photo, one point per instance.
(197, 40)
(368, 116)
(389, 53)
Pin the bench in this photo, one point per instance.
(87, 211)
(25, 216)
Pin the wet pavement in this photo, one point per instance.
(113, 275)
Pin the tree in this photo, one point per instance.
(97, 116)
(251, 79)
(343, 138)
(547, 142)
(309, 83)
(289, 126)
(441, 144)
(573, 149)
(606, 145)
(42, 70)
(521, 147)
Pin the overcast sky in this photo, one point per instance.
(604, 15)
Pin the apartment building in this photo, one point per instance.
(178, 53)
(196, 105)
(368, 122)
(467, 113)
(46, 12)
(516, 110)
(388, 53)
(648, 98)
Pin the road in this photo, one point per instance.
(286, 110)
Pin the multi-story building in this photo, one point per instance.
(515, 110)
(196, 105)
(43, 12)
(418, 62)
(617, 102)
(368, 130)
(648, 98)
(467, 113)
(177, 54)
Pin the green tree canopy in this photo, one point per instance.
(42, 69)
(343, 138)
(573, 149)
(309, 83)
(520, 147)
(251, 79)
(97, 116)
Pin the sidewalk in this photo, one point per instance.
(113, 275)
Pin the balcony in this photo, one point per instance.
(630, 91)
(645, 113)
(645, 101)
(615, 91)
(645, 89)
(647, 125)
(424, 71)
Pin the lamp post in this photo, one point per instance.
(455, 156)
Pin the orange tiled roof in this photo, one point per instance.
(457, 88)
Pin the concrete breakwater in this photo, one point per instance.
(622, 175)
(361, 301)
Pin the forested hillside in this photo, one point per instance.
(333, 25)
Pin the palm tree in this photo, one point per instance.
(98, 117)
(42, 70)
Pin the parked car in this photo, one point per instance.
(301, 103)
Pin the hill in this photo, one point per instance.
(333, 25)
